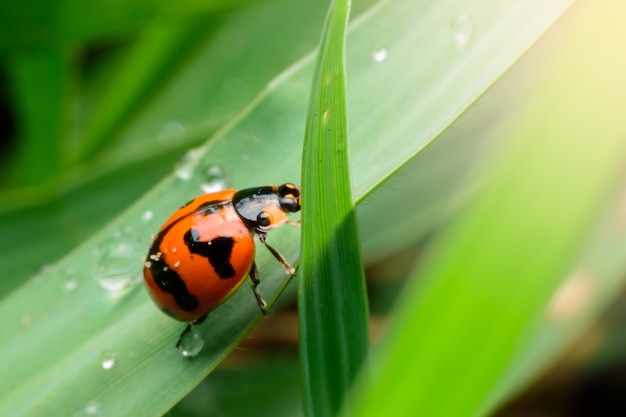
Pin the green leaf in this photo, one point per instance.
(57, 329)
(332, 304)
(484, 292)
(270, 388)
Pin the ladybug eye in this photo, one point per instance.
(263, 219)
(289, 204)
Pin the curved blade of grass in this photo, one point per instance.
(594, 280)
(332, 303)
(490, 276)
(39, 82)
(56, 329)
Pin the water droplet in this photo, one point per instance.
(177, 264)
(214, 179)
(91, 409)
(172, 130)
(117, 267)
(379, 55)
(147, 216)
(462, 28)
(185, 167)
(70, 285)
(191, 344)
(108, 359)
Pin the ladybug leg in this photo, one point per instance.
(255, 278)
(184, 332)
(288, 268)
(188, 329)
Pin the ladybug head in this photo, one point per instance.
(289, 197)
(266, 208)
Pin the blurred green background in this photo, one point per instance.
(487, 145)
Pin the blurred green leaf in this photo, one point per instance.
(39, 81)
(31, 24)
(151, 60)
(483, 293)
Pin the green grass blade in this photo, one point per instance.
(490, 276)
(578, 305)
(332, 304)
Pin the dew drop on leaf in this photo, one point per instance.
(172, 130)
(462, 28)
(213, 179)
(379, 55)
(108, 359)
(70, 285)
(147, 216)
(117, 266)
(191, 344)
(185, 167)
(91, 409)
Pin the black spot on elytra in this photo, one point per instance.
(217, 251)
(169, 281)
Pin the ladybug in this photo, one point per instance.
(206, 249)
